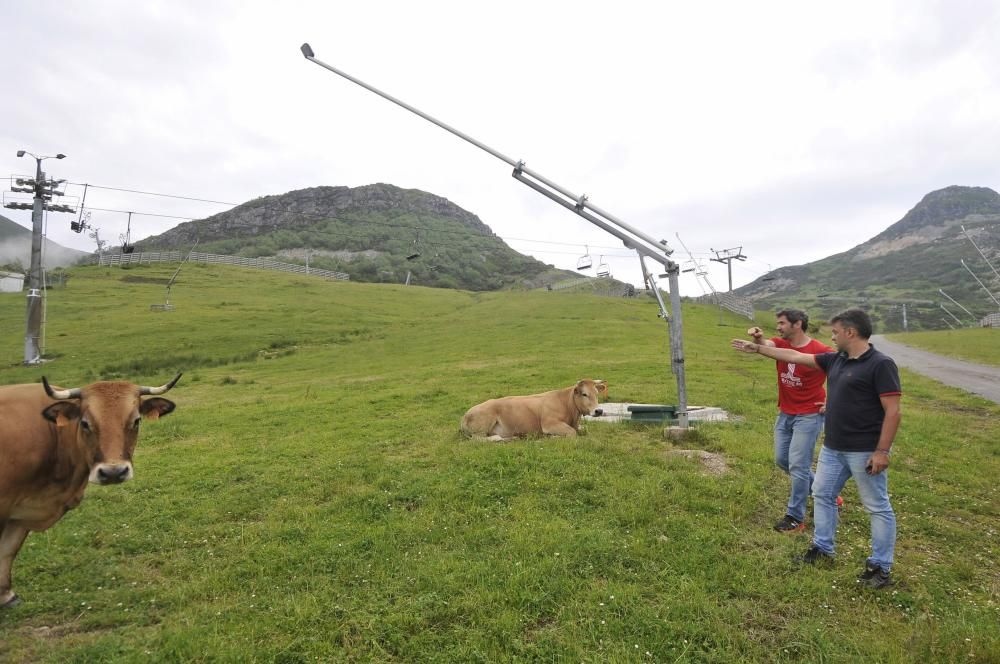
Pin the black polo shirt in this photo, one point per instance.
(854, 412)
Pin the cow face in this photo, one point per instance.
(104, 420)
(585, 395)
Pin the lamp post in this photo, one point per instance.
(32, 351)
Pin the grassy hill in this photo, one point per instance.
(311, 499)
(376, 233)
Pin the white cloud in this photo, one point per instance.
(795, 131)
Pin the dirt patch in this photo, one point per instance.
(714, 464)
(136, 279)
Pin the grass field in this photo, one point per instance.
(980, 344)
(312, 500)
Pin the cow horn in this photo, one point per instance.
(161, 389)
(60, 394)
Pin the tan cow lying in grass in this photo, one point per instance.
(556, 413)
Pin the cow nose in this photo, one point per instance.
(598, 412)
(112, 474)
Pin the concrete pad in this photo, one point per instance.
(618, 412)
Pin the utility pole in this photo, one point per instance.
(43, 191)
(727, 256)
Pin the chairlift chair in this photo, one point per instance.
(585, 261)
(603, 269)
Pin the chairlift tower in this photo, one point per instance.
(643, 244)
(700, 273)
(727, 256)
(44, 190)
(166, 306)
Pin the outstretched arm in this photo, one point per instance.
(783, 354)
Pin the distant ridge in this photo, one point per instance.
(908, 263)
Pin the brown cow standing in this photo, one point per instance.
(556, 413)
(53, 442)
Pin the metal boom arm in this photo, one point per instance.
(643, 244)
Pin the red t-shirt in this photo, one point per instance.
(800, 387)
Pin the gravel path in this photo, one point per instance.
(979, 379)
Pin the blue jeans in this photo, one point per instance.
(832, 472)
(794, 442)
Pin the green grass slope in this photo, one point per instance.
(312, 500)
(981, 344)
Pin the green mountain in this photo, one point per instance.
(909, 264)
(15, 249)
(375, 233)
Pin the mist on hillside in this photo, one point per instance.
(18, 251)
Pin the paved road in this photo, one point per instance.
(979, 379)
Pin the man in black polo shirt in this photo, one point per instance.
(862, 417)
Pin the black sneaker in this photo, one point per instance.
(874, 577)
(814, 555)
(790, 525)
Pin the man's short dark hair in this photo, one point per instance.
(856, 318)
(795, 316)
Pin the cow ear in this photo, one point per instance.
(62, 412)
(157, 407)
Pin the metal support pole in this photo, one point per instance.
(952, 315)
(674, 328)
(957, 304)
(32, 334)
(969, 238)
(643, 244)
(980, 282)
(673, 272)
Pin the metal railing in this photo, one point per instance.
(147, 257)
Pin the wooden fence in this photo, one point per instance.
(991, 320)
(738, 305)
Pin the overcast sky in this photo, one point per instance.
(790, 129)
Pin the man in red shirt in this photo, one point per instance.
(801, 400)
